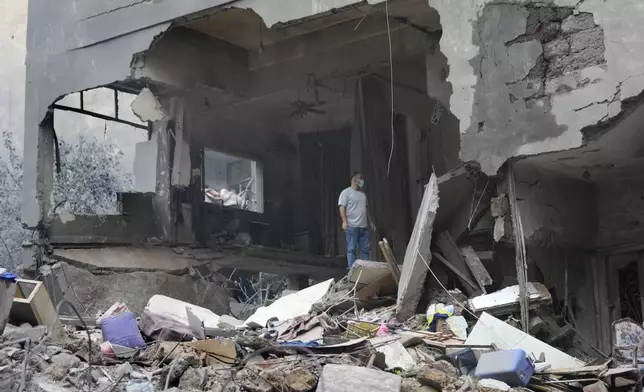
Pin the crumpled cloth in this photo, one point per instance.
(438, 311)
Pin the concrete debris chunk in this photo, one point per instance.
(435, 378)
(368, 271)
(506, 301)
(487, 384)
(345, 378)
(147, 107)
(394, 353)
(65, 361)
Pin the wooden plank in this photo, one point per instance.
(7, 292)
(418, 254)
(476, 267)
(454, 256)
(37, 308)
(390, 258)
(640, 272)
(458, 272)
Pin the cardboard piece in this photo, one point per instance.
(216, 350)
(290, 306)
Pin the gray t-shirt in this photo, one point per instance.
(355, 202)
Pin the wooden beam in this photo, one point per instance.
(454, 256)
(476, 267)
(458, 272)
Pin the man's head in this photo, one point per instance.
(357, 182)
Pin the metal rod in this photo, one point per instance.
(520, 250)
(116, 104)
(89, 339)
(98, 115)
(24, 366)
(82, 101)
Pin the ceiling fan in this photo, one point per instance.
(302, 108)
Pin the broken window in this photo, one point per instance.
(96, 134)
(233, 182)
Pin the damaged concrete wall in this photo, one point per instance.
(528, 77)
(184, 58)
(98, 290)
(555, 209)
(73, 46)
(552, 263)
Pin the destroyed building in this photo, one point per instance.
(523, 110)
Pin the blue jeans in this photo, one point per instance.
(357, 236)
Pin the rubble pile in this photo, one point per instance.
(327, 338)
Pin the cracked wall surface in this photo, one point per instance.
(555, 208)
(527, 77)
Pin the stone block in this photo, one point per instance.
(599, 386)
(549, 31)
(558, 47)
(346, 378)
(593, 38)
(579, 22)
(193, 379)
(575, 61)
(561, 84)
(65, 361)
(564, 12)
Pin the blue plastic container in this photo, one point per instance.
(510, 366)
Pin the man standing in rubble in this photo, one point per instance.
(355, 219)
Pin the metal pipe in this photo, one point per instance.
(99, 115)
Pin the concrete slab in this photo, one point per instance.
(123, 259)
(414, 271)
(368, 271)
(98, 290)
(346, 378)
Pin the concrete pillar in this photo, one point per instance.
(297, 282)
(163, 198)
(38, 181)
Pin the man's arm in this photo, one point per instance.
(343, 216)
(342, 203)
(372, 223)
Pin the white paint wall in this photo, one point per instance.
(13, 32)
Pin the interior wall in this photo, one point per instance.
(555, 208)
(620, 210)
(559, 220)
(274, 149)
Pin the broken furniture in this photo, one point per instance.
(628, 341)
(31, 304)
